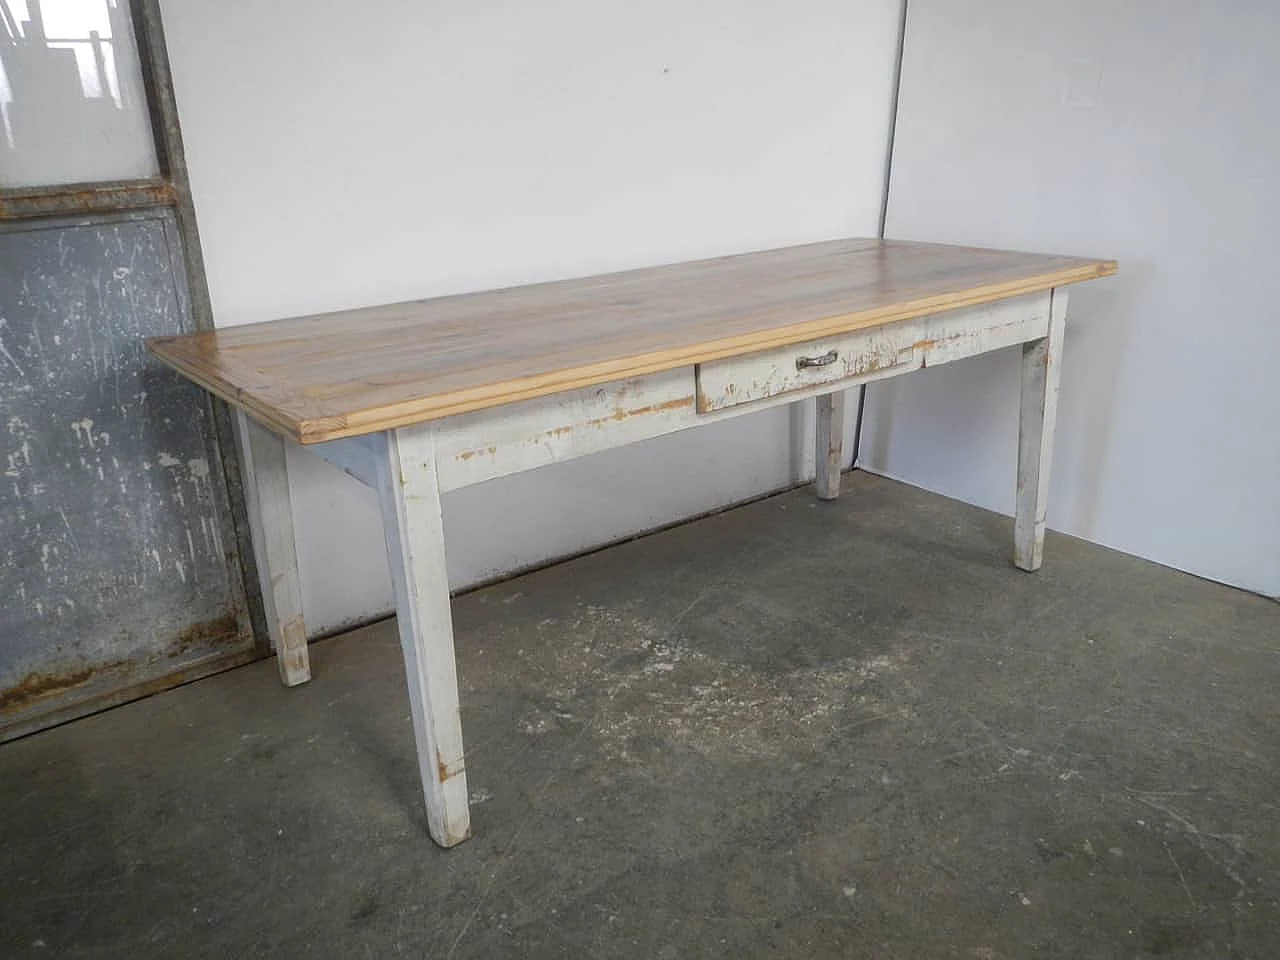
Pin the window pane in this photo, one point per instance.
(72, 107)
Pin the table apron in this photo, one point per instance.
(474, 447)
(872, 353)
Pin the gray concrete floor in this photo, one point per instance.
(795, 729)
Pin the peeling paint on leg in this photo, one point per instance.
(293, 658)
(446, 770)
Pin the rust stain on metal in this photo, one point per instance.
(40, 686)
(196, 636)
(468, 454)
(36, 686)
(201, 634)
(17, 723)
(57, 201)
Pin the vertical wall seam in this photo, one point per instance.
(893, 117)
(884, 195)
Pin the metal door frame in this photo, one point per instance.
(171, 189)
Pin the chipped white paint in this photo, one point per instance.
(868, 355)
(486, 444)
(270, 510)
(1041, 372)
(20, 458)
(475, 447)
(409, 494)
(83, 430)
(828, 444)
(479, 446)
(4, 351)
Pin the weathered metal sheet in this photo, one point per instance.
(118, 560)
(85, 198)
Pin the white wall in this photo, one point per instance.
(344, 155)
(1144, 130)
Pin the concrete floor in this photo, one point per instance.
(795, 729)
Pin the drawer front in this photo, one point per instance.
(873, 354)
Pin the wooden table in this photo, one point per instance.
(415, 399)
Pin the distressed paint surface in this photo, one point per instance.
(117, 562)
(1041, 374)
(485, 444)
(270, 510)
(409, 494)
(828, 445)
(872, 354)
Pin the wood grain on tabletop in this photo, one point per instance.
(359, 371)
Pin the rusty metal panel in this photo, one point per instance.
(118, 559)
(85, 198)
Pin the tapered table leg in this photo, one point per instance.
(270, 509)
(410, 497)
(1041, 367)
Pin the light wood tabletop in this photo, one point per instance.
(360, 371)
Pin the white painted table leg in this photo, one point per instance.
(409, 492)
(266, 486)
(1041, 367)
(830, 441)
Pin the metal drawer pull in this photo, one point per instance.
(825, 360)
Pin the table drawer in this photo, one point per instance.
(864, 355)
